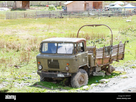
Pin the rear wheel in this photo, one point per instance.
(111, 69)
(79, 79)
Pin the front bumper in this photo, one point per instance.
(53, 74)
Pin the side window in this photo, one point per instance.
(75, 50)
(80, 47)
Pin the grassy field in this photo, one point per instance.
(20, 40)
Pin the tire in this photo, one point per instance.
(42, 79)
(111, 69)
(79, 79)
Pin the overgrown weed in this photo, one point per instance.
(25, 56)
(126, 30)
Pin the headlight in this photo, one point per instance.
(40, 67)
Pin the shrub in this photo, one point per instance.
(51, 7)
(59, 7)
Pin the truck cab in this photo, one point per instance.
(61, 57)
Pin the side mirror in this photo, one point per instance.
(40, 49)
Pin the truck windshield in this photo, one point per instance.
(60, 48)
(65, 48)
(49, 47)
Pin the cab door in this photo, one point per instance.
(82, 54)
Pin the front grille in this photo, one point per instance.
(53, 64)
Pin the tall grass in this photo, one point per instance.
(22, 50)
(23, 36)
(20, 40)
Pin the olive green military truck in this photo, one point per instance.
(61, 58)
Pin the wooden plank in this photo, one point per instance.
(123, 51)
(99, 52)
(95, 56)
(103, 54)
(118, 52)
(114, 47)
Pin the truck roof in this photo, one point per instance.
(63, 40)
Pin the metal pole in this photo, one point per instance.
(95, 25)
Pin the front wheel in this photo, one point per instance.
(79, 79)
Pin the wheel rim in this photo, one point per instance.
(81, 80)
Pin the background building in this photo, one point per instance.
(83, 5)
(21, 4)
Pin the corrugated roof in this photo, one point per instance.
(68, 2)
(63, 39)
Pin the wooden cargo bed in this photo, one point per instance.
(106, 55)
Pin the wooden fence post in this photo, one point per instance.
(16, 15)
(88, 13)
(24, 14)
(69, 14)
(61, 14)
(35, 14)
(49, 14)
(98, 13)
(6, 15)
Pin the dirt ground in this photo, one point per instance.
(123, 83)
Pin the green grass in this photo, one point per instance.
(20, 40)
(53, 87)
